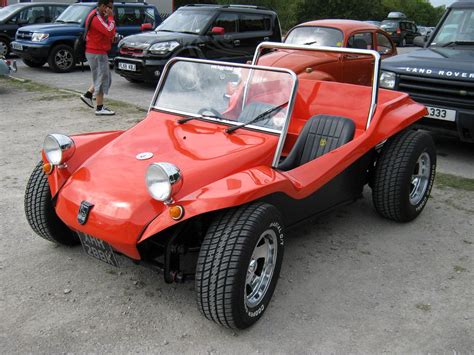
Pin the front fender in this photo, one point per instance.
(234, 190)
(86, 146)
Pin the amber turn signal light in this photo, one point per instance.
(176, 212)
(48, 168)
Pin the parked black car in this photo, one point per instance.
(54, 42)
(14, 16)
(441, 76)
(220, 32)
(401, 30)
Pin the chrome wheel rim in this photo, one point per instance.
(3, 49)
(63, 59)
(420, 178)
(261, 267)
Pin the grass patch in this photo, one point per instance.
(55, 97)
(423, 307)
(455, 182)
(459, 269)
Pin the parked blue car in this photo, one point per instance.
(54, 42)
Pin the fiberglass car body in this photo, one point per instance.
(340, 67)
(205, 185)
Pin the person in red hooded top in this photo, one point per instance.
(99, 39)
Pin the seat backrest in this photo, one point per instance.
(320, 135)
(360, 43)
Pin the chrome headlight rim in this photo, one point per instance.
(387, 79)
(163, 181)
(58, 148)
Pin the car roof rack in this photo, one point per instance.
(257, 7)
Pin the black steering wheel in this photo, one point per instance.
(211, 110)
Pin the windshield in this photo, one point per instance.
(458, 27)
(186, 21)
(74, 14)
(232, 94)
(8, 10)
(317, 36)
(389, 24)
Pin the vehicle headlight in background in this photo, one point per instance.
(38, 37)
(163, 47)
(163, 180)
(387, 80)
(58, 148)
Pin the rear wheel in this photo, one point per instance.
(404, 176)
(61, 59)
(239, 264)
(40, 212)
(34, 63)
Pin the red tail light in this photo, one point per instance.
(398, 31)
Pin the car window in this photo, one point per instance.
(129, 16)
(149, 15)
(389, 25)
(55, 11)
(384, 45)
(458, 26)
(30, 15)
(402, 26)
(228, 21)
(315, 36)
(8, 10)
(362, 40)
(74, 14)
(253, 22)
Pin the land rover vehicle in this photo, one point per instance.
(205, 186)
(401, 30)
(218, 32)
(441, 75)
(341, 67)
(14, 16)
(54, 43)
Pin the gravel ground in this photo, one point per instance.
(351, 281)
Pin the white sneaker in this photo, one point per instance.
(104, 111)
(87, 101)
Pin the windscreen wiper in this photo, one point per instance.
(186, 119)
(258, 118)
(309, 43)
(456, 43)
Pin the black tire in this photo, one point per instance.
(34, 63)
(225, 258)
(4, 47)
(396, 193)
(61, 58)
(40, 212)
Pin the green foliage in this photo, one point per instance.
(294, 12)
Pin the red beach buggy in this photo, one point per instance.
(205, 185)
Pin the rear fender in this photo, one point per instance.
(86, 146)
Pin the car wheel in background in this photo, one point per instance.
(34, 63)
(61, 59)
(4, 47)
(239, 264)
(404, 175)
(402, 42)
(40, 212)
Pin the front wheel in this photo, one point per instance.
(4, 47)
(40, 212)
(61, 59)
(404, 176)
(239, 264)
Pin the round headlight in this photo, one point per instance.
(387, 80)
(163, 180)
(58, 148)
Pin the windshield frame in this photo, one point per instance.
(291, 100)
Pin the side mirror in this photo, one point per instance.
(420, 41)
(217, 30)
(146, 27)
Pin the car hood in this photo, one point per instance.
(443, 63)
(113, 179)
(157, 37)
(297, 61)
(51, 28)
